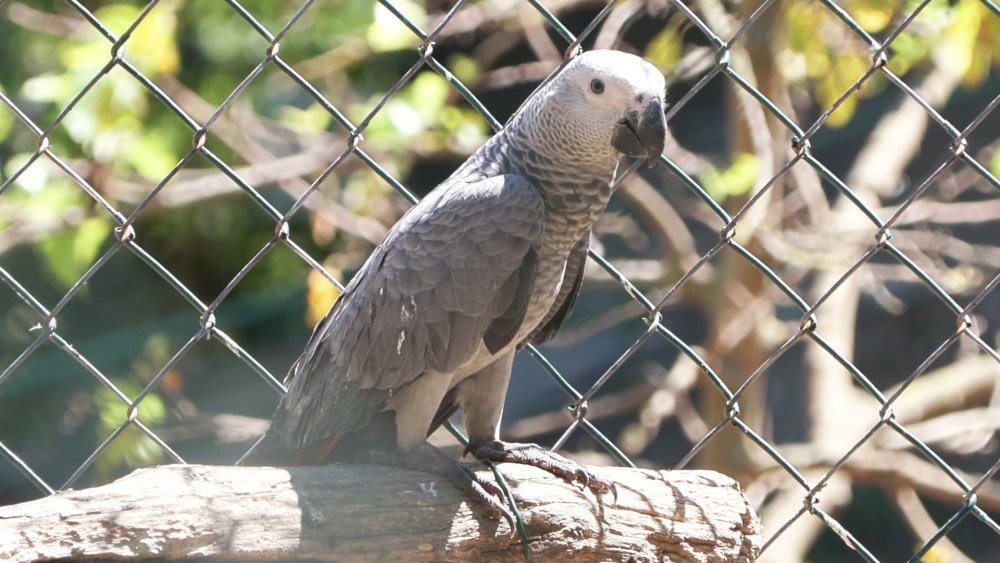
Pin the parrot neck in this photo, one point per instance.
(576, 153)
(575, 190)
(573, 174)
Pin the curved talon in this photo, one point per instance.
(509, 517)
(495, 507)
(584, 477)
(495, 490)
(602, 486)
(599, 486)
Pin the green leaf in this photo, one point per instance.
(47, 88)
(150, 156)
(153, 46)
(665, 49)
(388, 33)
(845, 70)
(314, 119)
(113, 412)
(69, 253)
(131, 448)
(465, 68)
(734, 180)
(427, 93)
(874, 15)
(961, 42)
(995, 164)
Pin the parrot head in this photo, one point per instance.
(613, 101)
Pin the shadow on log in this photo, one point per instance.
(371, 513)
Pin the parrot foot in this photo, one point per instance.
(537, 456)
(428, 459)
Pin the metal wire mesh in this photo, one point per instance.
(731, 387)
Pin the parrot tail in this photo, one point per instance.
(270, 451)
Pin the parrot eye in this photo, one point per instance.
(597, 86)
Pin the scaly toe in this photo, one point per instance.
(491, 488)
(488, 498)
(600, 486)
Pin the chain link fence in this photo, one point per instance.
(857, 426)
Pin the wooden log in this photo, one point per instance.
(372, 513)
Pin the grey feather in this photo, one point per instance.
(570, 289)
(516, 292)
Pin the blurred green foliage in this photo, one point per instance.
(667, 47)
(827, 57)
(69, 253)
(733, 180)
(119, 134)
(820, 55)
(133, 448)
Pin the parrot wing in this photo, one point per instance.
(547, 329)
(563, 305)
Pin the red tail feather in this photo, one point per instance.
(315, 454)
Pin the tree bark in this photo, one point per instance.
(369, 513)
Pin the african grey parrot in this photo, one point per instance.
(490, 260)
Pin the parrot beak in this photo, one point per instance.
(642, 135)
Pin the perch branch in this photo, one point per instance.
(368, 513)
